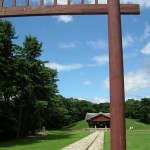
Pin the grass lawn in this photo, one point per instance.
(136, 140)
(80, 125)
(129, 123)
(55, 140)
(136, 124)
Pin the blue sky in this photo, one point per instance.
(77, 46)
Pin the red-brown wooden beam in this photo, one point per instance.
(41, 2)
(55, 2)
(14, 3)
(27, 2)
(96, 1)
(117, 99)
(1, 4)
(65, 10)
(69, 2)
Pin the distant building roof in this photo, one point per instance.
(89, 116)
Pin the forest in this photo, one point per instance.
(29, 96)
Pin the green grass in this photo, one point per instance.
(78, 126)
(136, 124)
(135, 140)
(129, 123)
(55, 140)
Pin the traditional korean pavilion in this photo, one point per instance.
(98, 120)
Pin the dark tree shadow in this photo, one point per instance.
(53, 135)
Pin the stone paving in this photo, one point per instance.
(92, 142)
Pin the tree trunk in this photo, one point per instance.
(19, 122)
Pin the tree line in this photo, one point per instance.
(138, 109)
(29, 97)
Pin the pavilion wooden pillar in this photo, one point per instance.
(117, 111)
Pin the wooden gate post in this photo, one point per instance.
(117, 112)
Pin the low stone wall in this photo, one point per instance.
(96, 129)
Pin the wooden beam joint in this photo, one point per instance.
(81, 9)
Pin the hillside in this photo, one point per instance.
(129, 122)
(78, 125)
(136, 124)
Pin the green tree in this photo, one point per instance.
(104, 107)
(34, 82)
(145, 110)
(132, 108)
(8, 120)
(25, 82)
(56, 114)
(7, 70)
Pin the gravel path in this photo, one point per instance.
(92, 142)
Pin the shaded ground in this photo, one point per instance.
(55, 140)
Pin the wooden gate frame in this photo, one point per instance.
(113, 9)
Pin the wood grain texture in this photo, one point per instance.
(27, 2)
(1, 4)
(14, 3)
(79, 9)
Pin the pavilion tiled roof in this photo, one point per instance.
(89, 116)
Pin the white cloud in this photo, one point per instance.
(146, 66)
(106, 83)
(98, 100)
(143, 3)
(60, 67)
(61, 2)
(64, 2)
(67, 45)
(100, 60)
(81, 98)
(99, 44)
(64, 18)
(87, 82)
(146, 31)
(127, 40)
(134, 82)
(93, 1)
(146, 49)
(102, 1)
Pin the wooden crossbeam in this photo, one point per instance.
(41, 2)
(55, 2)
(14, 3)
(96, 1)
(82, 1)
(80, 9)
(27, 2)
(69, 2)
(1, 4)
